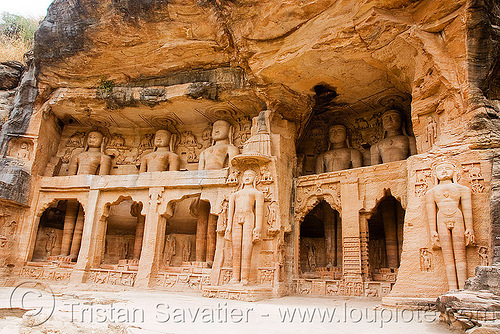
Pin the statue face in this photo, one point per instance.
(445, 171)
(337, 134)
(391, 121)
(248, 177)
(162, 138)
(220, 130)
(94, 139)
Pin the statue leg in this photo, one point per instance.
(389, 219)
(237, 232)
(246, 256)
(459, 249)
(201, 231)
(449, 261)
(77, 235)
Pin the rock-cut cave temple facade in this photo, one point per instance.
(256, 149)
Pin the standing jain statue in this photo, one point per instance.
(449, 211)
(220, 154)
(396, 144)
(339, 156)
(92, 160)
(162, 159)
(244, 226)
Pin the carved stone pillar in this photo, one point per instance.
(389, 219)
(89, 239)
(330, 242)
(154, 238)
(211, 237)
(139, 233)
(202, 213)
(77, 235)
(69, 226)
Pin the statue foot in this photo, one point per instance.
(244, 282)
(234, 281)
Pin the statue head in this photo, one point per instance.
(95, 139)
(444, 169)
(249, 177)
(392, 121)
(221, 130)
(162, 138)
(337, 134)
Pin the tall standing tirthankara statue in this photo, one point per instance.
(244, 225)
(449, 211)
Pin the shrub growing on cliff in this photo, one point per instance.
(16, 35)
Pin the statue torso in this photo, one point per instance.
(89, 162)
(158, 161)
(337, 159)
(394, 148)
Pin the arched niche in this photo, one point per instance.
(385, 238)
(123, 227)
(190, 233)
(320, 243)
(59, 231)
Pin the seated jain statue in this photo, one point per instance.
(220, 154)
(162, 159)
(396, 144)
(339, 156)
(244, 225)
(449, 211)
(92, 160)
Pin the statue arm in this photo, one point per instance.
(229, 226)
(356, 158)
(466, 199)
(73, 166)
(431, 217)
(201, 163)
(413, 145)
(105, 167)
(144, 165)
(175, 162)
(375, 156)
(259, 215)
(231, 153)
(320, 164)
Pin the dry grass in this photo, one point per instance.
(13, 49)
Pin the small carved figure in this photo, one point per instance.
(272, 218)
(483, 254)
(24, 152)
(311, 256)
(266, 176)
(340, 156)
(186, 249)
(425, 260)
(50, 243)
(169, 251)
(220, 154)
(76, 140)
(147, 141)
(431, 131)
(232, 179)
(162, 159)
(92, 160)
(222, 216)
(246, 213)
(396, 144)
(449, 211)
(117, 140)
